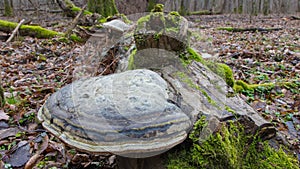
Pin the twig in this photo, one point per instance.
(15, 31)
(75, 21)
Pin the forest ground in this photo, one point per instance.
(32, 69)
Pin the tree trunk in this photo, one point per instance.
(8, 10)
(104, 7)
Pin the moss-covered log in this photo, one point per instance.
(27, 30)
(230, 147)
(232, 29)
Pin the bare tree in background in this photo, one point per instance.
(8, 9)
(104, 7)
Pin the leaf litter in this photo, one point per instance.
(32, 69)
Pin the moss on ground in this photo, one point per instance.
(228, 148)
(203, 12)
(241, 86)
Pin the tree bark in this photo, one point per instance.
(8, 10)
(103, 7)
(68, 7)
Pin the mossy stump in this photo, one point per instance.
(162, 31)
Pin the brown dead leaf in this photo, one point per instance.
(259, 105)
(33, 160)
(8, 132)
(282, 127)
(3, 115)
(20, 156)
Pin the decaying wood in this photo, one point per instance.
(15, 31)
(231, 29)
(28, 30)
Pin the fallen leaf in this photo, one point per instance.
(8, 132)
(3, 115)
(20, 156)
(33, 160)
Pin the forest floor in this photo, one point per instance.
(32, 69)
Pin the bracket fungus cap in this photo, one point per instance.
(128, 114)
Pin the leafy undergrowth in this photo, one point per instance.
(229, 148)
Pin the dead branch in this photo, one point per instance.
(28, 30)
(15, 31)
(75, 22)
(231, 29)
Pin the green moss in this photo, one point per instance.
(228, 148)
(131, 60)
(175, 13)
(229, 29)
(157, 35)
(35, 31)
(203, 12)
(75, 38)
(77, 9)
(222, 70)
(124, 18)
(241, 86)
(158, 8)
(191, 55)
(142, 21)
(227, 108)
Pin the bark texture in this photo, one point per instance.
(104, 7)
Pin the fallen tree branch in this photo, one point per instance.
(28, 30)
(231, 29)
(15, 31)
(69, 8)
(75, 22)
